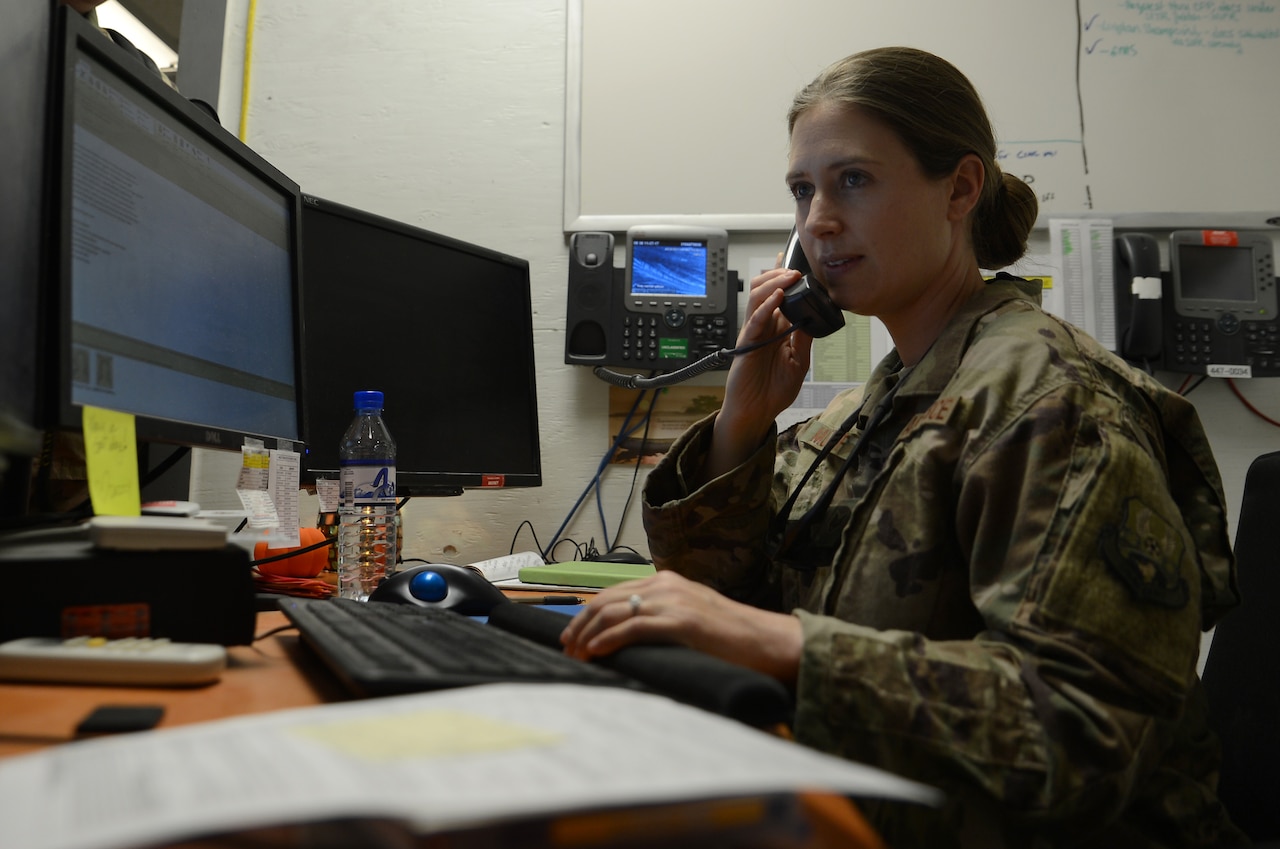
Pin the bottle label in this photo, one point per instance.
(371, 484)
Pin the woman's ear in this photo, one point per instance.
(966, 186)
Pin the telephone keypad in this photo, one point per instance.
(640, 337)
(694, 335)
(1192, 342)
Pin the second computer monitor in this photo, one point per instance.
(442, 327)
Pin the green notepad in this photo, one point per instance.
(577, 573)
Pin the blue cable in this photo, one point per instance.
(623, 432)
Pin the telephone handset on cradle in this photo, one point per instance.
(1139, 298)
(805, 303)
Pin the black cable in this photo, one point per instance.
(595, 480)
(163, 466)
(532, 531)
(635, 474)
(1187, 390)
(293, 552)
(577, 550)
(783, 533)
(276, 630)
(711, 361)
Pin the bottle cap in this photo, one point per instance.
(368, 399)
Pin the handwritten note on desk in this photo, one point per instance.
(111, 457)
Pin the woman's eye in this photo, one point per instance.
(853, 179)
(801, 191)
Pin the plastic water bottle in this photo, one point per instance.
(367, 511)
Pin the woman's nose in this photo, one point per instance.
(821, 219)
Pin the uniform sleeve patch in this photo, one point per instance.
(1146, 552)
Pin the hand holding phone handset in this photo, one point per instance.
(805, 303)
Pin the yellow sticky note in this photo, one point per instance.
(111, 455)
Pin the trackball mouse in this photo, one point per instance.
(441, 585)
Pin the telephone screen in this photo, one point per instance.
(675, 268)
(1216, 273)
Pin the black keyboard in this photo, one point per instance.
(378, 649)
(382, 649)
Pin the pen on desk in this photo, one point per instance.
(548, 599)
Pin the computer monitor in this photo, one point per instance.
(24, 73)
(173, 290)
(443, 328)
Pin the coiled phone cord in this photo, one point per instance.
(711, 361)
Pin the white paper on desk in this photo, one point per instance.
(440, 760)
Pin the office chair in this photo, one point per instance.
(1242, 672)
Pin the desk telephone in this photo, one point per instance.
(672, 307)
(1214, 312)
(672, 303)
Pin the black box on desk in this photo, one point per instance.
(66, 588)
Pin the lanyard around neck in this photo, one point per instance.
(785, 536)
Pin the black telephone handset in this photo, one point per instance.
(1139, 310)
(805, 303)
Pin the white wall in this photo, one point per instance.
(450, 115)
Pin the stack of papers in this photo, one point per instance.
(439, 761)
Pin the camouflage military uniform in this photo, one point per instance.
(1005, 597)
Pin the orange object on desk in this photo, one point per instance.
(306, 565)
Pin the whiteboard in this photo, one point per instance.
(1164, 111)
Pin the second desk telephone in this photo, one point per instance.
(1215, 312)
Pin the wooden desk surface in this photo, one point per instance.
(274, 673)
